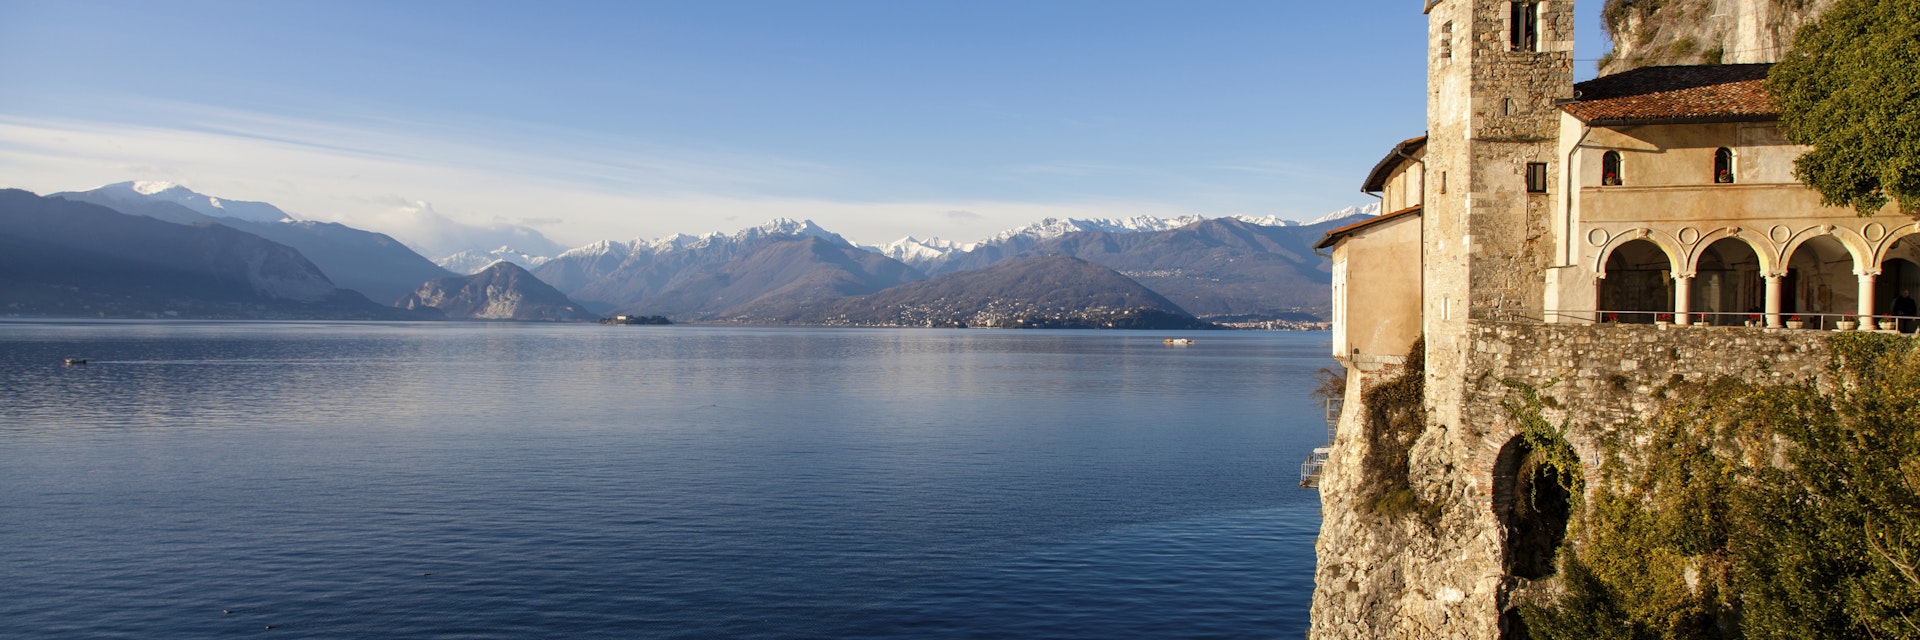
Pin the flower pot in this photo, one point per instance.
(1796, 324)
(1846, 325)
(1889, 325)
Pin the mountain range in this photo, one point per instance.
(786, 271)
(372, 263)
(62, 257)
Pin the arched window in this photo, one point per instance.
(1723, 166)
(1610, 169)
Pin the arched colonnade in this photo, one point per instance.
(1817, 273)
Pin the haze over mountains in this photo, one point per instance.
(1052, 273)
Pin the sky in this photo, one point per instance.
(638, 119)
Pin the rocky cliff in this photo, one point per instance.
(1667, 32)
(503, 291)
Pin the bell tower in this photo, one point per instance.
(1495, 69)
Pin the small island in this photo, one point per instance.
(636, 320)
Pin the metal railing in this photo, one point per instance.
(1316, 462)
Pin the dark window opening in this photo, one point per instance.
(1610, 169)
(1525, 26)
(1536, 177)
(1446, 40)
(1723, 166)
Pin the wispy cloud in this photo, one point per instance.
(381, 175)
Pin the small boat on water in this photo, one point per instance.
(74, 361)
(1179, 341)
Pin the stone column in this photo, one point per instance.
(1866, 299)
(1773, 299)
(1683, 300)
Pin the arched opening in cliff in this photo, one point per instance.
(1531, 499)
(1637, 285)
(1820, 280)
(1727, 287)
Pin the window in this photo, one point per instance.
(1536, 177)
(1525, 25)
(1723, 166)
(1610, 169)
(1446, 40)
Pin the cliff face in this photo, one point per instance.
(1667, 32)
(500, 292)
(1473, 533)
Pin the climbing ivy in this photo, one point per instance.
(1542, 436)
(1396, 416)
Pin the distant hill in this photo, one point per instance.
(1214, 268)
(371, 263)
(503, 291)
(60, 257)
(1042, 292)
(778, 273)
(683, 271)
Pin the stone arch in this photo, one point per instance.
(1636, 282)
(1821, 276)
(1762, 247)
(1728, 282)
(1899, 274)
(1533, 505)
(1856, 245)
(1666, 244)
(1893, 237)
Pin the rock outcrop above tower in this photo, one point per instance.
(1668, 32)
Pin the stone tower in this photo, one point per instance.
(1495, 71)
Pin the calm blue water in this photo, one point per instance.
(354, 480)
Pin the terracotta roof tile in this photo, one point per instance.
(1702, 93)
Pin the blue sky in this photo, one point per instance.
(618, 120)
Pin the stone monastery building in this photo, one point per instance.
(1590, 240)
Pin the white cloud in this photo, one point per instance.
(380, 175)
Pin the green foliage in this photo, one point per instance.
(1757, 511)
(1848, 89)
(1840, 521)
(1396, 416)
(1542, 436)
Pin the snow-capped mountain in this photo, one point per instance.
(472, 262)
(928, 254)
(374, 264)
(1055, 227)
(200, 203)
(1368, 210)
(911, 250)
(615, 274)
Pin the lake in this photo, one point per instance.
(469, 480)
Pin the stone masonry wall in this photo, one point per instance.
(1408, 578)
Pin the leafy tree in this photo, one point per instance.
(1849, 88)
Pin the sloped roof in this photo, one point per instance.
(1377, 179)
(1342, 232)
(1655, 95)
